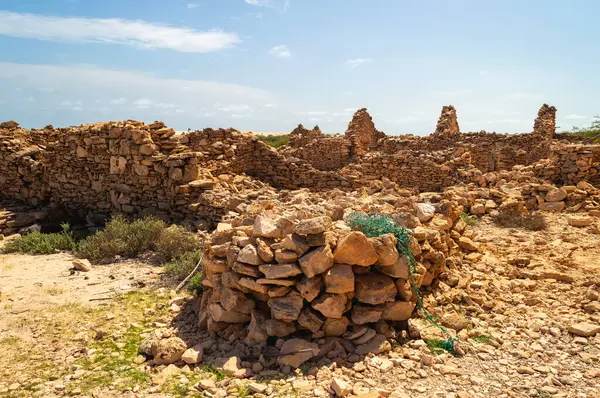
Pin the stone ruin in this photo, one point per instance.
(447, 125)
(281, 260)
(361, 132)
(198, 178)
(545, 123)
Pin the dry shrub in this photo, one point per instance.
(529, 220)
(122, 238)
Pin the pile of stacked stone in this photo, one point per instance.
(312, 276)
(547, 197)
(447, 124)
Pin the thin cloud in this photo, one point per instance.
(149, 96)
(280, 51)
(193, 5)
(355, 63)
(281, 6)
(138, 34)
(235, 108)
(575, 117)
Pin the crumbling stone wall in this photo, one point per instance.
(545, 123)
(571, 164)
(325, 153)
(447, 124)
(415, 169)
(301, 136)
(361, 132)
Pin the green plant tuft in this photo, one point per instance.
(469, 220)
(39, 243)
(181, 266)
(195, 284)
(121, 238)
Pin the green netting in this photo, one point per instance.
(376, 224)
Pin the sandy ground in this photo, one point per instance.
(519, 300)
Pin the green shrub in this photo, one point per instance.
(39, 243)
(121, 238)
(195, 284)
(275, 141)
(181, 266)
(175, 242)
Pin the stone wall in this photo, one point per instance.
(361, 132)
(447, 124)
(545, 123)
(571, 164)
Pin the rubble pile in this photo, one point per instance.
(301, 274)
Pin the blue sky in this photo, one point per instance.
(267, 65)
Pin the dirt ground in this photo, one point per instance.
(72, 333)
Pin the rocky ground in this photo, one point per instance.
(524, 313)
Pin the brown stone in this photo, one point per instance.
(219, 314)
(316, 261)
(335, 327)
(313, 226)
(363, 314)
(286, 308)
(297, 351)
(376, 345)
(385, 247)
(232, 300)
(278, 328)
(339, 279)
(397, 311)
(310, 320)
(399, 269)
(169, 351)
(375, 288)
(274, 271)
(256, 329)
(355, 249)
(330, 305)
(467, 244)
(285, 256)
(249, 255)
(295, 243)
(310, 288)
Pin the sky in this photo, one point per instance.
(267, 65)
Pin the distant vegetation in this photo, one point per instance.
(591, 132)
(275, 141)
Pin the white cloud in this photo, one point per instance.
(270, 105)
(314, 119)
(313, 113)
(139, 34)
(281, 6)
(524, 97)
(193, 5)
(575, 117)
(118, 101)
(234, 108)
(142, 103)
(355, 63)
(484, 72)
(351, 110)
(149, 97)
(280, 51)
